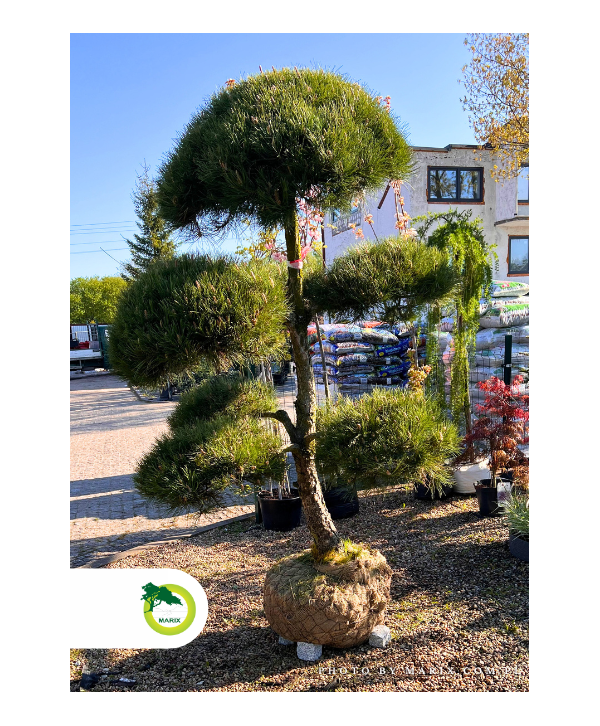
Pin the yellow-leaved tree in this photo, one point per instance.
(496, 97)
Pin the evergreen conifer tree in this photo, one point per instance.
(154, 241)
(258, 150)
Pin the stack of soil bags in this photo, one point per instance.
(506, 313)
(360, 355)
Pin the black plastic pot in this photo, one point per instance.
(518, 547)
(281, 515)
(487, 496)
(341, 502)
(422, 491)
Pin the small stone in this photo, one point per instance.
(380, 636)
(309, 651)
(284, 641)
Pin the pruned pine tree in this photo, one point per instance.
(257, 150)
(154, 241)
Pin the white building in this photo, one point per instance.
(458, 177)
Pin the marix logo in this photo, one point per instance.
(164, 611)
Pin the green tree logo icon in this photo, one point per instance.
(156, 595)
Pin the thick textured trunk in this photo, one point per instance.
(317, 516)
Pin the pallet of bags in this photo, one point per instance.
(492, 337)
(508, 288)
(495, 356)
(505, 313)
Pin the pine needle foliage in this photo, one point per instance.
(190, 468)
(226, 395)
(262, 143)
(386, 437)
(154, 241)
(194, 308)
(388, 280)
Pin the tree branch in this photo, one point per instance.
(284, 419)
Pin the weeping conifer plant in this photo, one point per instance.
(462, 240)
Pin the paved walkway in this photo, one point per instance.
(111, 429)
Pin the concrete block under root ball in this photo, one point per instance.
(285, 641)
(309, 651)
(380, 637)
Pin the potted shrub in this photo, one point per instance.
(280, 507)
(496, 434)
(341, 498)
(516, 510)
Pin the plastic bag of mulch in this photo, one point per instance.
(389, 360)
(443, 338)
(352, 359)
(400, 348)
(491, 337)
(355, 370)
(402, 330)
(344, 332)
(394, 370)
(331, 360)
(318, 370)
(505, 316)
(378, 336)
(446, 325)
(492, 357)
(342, 348)
(507, 288)
(357, 378)
(327, 347)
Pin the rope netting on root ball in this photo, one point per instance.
(335, 603)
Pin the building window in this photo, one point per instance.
(523, 185)
(518, 255)
(451, 184)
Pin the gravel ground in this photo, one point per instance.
(458, 615)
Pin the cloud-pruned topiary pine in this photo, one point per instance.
(230, 395)
(258, 150)
(390, 280)
(193, 308)
(387, 437)
(216, 440)
(190, 468)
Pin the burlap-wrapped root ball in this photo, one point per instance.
(327, 604)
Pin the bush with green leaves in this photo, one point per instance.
(190, 468)
(193, 308)
(385, 437)
(229, 395)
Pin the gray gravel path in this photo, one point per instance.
(111, 429)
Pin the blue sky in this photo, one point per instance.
(132, 93)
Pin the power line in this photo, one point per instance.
(94, 224)
(91, 252)
(104, 231)
(104, 242)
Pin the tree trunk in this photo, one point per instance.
(317, 516)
